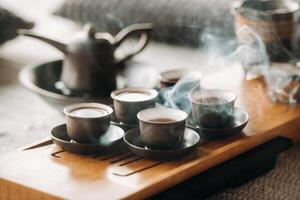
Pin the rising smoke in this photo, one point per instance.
(251, 54)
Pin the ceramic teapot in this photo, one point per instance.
(90, 65)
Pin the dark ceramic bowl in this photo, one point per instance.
(41, 79)
(190, 142)
(109, 142)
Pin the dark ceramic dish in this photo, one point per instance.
(108, 142)
(240, 120)
(41, 79)
(133, 140)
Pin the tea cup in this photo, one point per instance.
(129, 101)
(171, 77)
(162, 128)
(86, 122)
(212, 108)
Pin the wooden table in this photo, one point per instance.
(35, 174)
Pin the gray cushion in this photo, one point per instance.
(180, 21)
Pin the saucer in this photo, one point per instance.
(240, 120)
(133, 140)
(125, 127)
(107, 142)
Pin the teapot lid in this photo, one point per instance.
(88, 39)
(269, 7)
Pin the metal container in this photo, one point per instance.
(272, 20)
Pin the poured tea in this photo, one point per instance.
(211, 101)
(163, 120)
(89, 112)
(133, 96)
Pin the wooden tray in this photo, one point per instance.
(47, 172)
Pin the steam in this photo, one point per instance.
(283, 83)
(210, 24)
(220, 53)
(178, 95)
(282, 79)
(251, 54)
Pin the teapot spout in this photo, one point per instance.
(60, 46)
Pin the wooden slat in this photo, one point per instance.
(40, 143)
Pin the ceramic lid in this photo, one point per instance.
(89, 41)
(268, 7)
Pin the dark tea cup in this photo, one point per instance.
(129, 101)
(212, 108)
(162, 128)
(171, 77)
(86, 122)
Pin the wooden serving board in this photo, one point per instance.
(48, 172)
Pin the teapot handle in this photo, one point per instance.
(144, 29)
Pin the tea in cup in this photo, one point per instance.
(212, 108)
(129, 101)
(86, 122)
(171, 77)
(162, 128)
